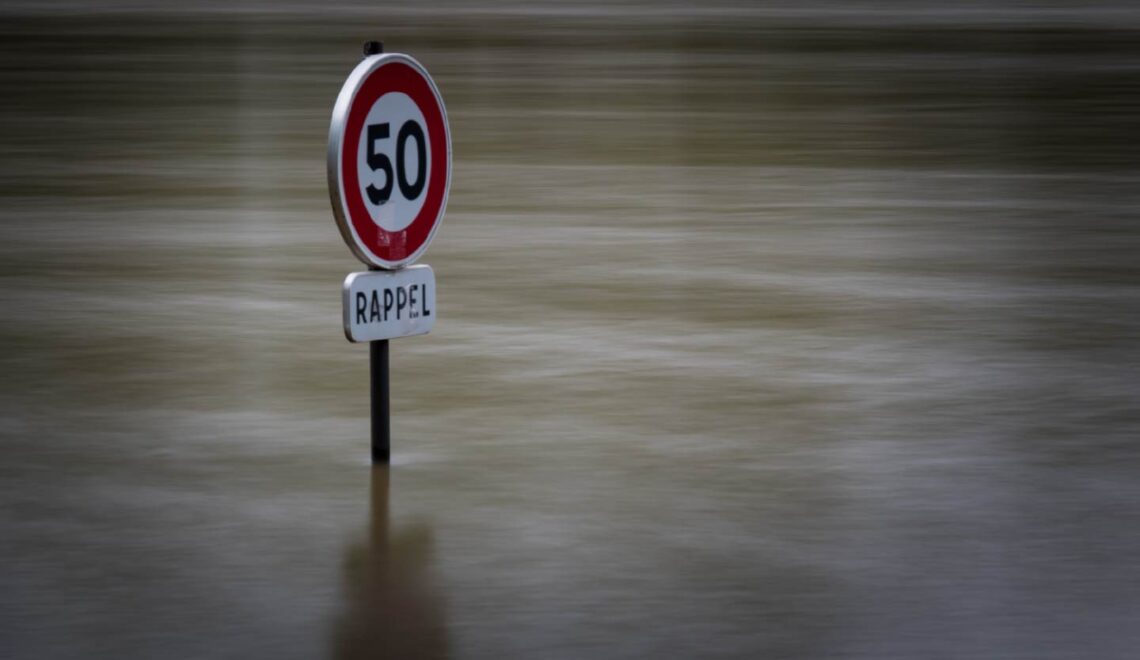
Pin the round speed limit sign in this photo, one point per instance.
(389, 160)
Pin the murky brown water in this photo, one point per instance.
(761, 334)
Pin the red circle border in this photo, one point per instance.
(397, 246)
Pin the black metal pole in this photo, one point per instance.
(381, 429)
(378, 363)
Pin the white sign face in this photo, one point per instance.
(397, 133)
(389, 304)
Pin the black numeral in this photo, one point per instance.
(411, 129)
(377, 161)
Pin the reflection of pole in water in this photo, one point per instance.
(393, 611)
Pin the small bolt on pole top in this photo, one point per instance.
(373, 48)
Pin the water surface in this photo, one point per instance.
(761, 334)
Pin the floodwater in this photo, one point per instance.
(791, 333)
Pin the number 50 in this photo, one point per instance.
(377, 161)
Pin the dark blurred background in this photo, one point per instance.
(794, 329)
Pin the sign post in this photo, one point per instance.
(389, 173)
(378, 397)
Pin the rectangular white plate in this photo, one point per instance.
(385, 304)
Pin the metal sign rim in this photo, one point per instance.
(336, 182)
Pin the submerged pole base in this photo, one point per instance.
(381, 430)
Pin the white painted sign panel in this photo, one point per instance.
(389, 304)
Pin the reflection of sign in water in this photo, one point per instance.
(393, 610)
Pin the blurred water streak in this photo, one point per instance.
(763, 333)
